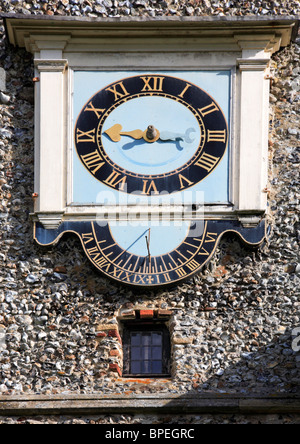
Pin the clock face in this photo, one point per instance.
(149, 254)
(151, 134)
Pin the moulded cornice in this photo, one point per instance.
(273, 32)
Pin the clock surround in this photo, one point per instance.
(63, 47)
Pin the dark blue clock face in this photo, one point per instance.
(149, 134)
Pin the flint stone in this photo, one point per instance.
(32, 279)
(4, 98)
(24, 320)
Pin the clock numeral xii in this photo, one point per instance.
(153, 83)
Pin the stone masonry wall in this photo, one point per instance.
(231, 326)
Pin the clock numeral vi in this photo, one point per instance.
(148, 189)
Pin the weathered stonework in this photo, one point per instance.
(231, 326)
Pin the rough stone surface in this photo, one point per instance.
(150, 8)
(232, 326)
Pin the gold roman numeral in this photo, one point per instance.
(192, 265)
(148, 189)
(166, 276)
(118, 90)
(97, 111)
(116, 179)
(217, 136)
(183, 179)
(180, 272)
(101, 262)
(94, 252)
(93, 161)
(207, 162)
(88, 136)
(87, 237)
(184, 91)
(210, 237)
(203, 252)
(141, 279)
(153, 83)
(208, 109)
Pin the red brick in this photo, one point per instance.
(146, 314)
(60, 269)
(115, 368)
(114, 334)
(101, 334)
(114, 353)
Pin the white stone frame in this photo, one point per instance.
(61, 46)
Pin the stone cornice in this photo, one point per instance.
(23, 30)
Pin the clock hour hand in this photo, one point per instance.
(150, 135)
(115, 133)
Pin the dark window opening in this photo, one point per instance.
(146, 350)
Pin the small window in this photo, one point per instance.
(146, 350)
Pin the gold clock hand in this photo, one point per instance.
(115, 133)
(150, 135)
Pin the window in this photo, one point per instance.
(146, 350)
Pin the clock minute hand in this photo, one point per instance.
(168, 135)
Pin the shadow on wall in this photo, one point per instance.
(271, 369)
